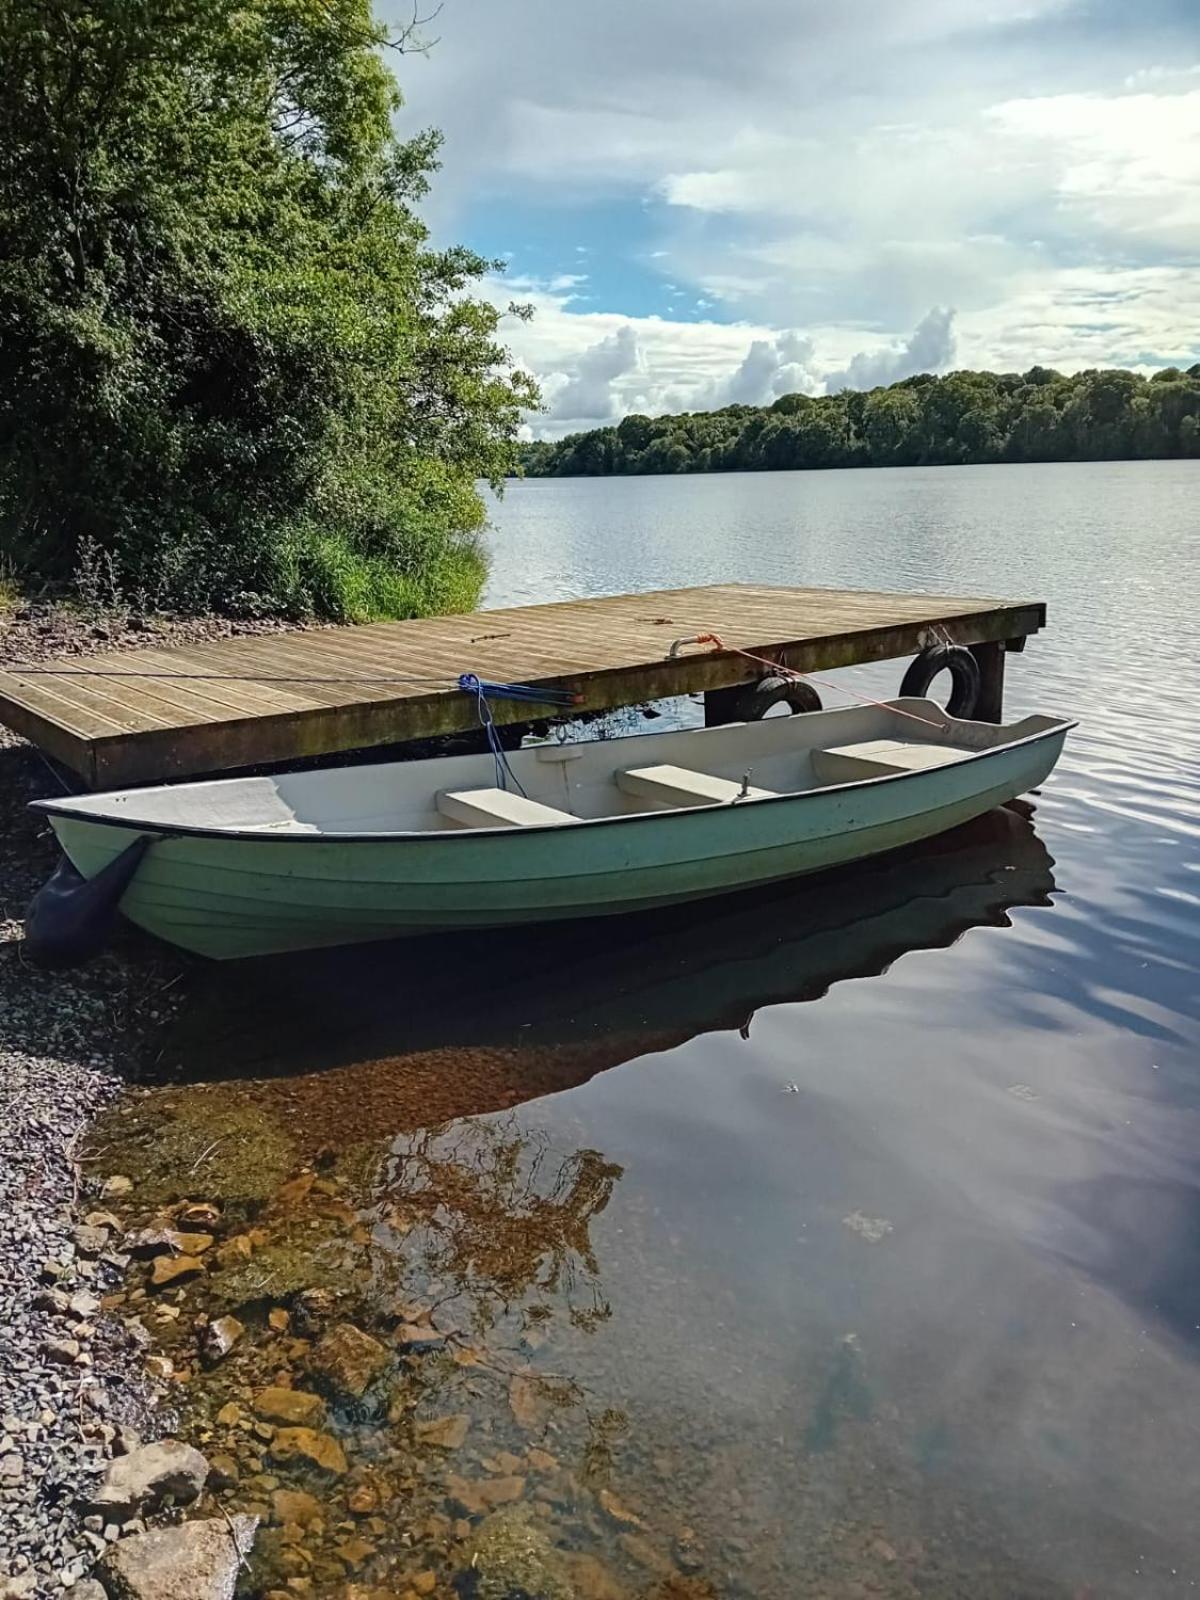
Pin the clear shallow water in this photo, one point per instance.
(877, 1287)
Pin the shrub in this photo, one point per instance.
(233, 364)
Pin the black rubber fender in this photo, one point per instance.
(71, 917)
(964, 674)
(756, 699)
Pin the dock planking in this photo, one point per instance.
(154, 715)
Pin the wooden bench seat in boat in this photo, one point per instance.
(677, 786)
(497, 808)
(876, 758)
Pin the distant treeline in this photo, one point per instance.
(1038, 415)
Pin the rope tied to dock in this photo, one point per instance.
(471, 683)
(779, 669)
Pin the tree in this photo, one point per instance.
(232, 362)
(961, 417)
(890, 422)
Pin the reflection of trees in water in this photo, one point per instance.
(494, 1223)
(502, 1218)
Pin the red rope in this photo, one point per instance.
(801, 677)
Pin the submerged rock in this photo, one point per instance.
(149, 1242)
(477, 1495)
(174, 1269)
(223, 1471)
(349, 1360)
(447, 1433)
(149, 1475)
(527, 1401)
(677, 1587)
(194, 1561)
(295, 1506)
(308, 1447)
(509, 1554)
(293, 1407)
(591, 1579)
(162, 1241)
(418, 1337)
(618, 1511)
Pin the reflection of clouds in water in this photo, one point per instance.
(1139, 1237)
(1020, 1384)
(1105, 962)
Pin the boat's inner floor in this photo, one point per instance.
(669, 788)
(561, 783)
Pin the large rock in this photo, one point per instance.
(193, 1561)
(147, 1476)
(349, 1360)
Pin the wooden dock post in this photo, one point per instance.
(990, 657)
(721, 705)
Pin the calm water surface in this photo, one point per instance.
(887, 1286)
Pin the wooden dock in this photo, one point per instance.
(154, 715)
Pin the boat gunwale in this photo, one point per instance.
(161, 831)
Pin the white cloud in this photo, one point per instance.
(1125, 165)
(770, 367)
(585, 394)
(830, 173)
(597, 366)
(930, 349)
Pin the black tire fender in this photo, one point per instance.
(71, 917)
(756, 699)
(964, 674)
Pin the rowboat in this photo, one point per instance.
(253, 866)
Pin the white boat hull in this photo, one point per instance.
(249, 888)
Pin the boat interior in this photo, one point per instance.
(566, 782)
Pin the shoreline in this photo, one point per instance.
(74, 1394)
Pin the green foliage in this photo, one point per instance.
(232, 362)
(964, 417)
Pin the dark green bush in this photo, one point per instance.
(231, 361)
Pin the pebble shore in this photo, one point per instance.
(72, 1390)
(68, 1375)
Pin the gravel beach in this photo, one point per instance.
(72, 1393)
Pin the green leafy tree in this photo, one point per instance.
(961, 417)
(231, 358)
(891, 427)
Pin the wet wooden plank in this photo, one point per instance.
(275, 697)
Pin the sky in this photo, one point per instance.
(713, 204)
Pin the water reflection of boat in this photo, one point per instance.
(478, 1024)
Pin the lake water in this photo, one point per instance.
(842, 1242)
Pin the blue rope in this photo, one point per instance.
(470, 684)
(517, 691)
